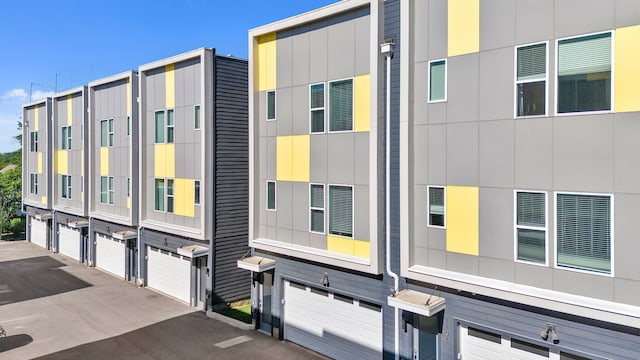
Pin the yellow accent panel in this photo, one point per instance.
(36, 119)
(164, 161)
(62, 162)
(464, 27)
(266, 60)
(39, 163)
(170, 86)
(44, 199)
(462, 220)
(362, 102)
(627, 69)
(184, 194)
(128, 100)
(349, 247)
(104, 161)
(128, 202)
(69, 109)
(292, 158)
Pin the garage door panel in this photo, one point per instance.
(337, 328)
(39, 232)
(169, 274)
(69, 242)
(110, 255)
(480, 345)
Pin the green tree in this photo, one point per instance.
(10, 197)
(19, 136)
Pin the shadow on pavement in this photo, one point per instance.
(14, 341)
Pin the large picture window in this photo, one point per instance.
(531, 80)
(341, 105)
(584, 73)
(530, 227)
(341, 210)
(583, 232)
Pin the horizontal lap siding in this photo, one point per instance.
(231, 223)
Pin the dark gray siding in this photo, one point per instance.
(231, 177)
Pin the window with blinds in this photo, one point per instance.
(531, 227)
(583, 232)
(316, 108)
(271, 105)
(531, 80)
(436, 203)
(341, 105)
(437, 80)
(271, 195)
(584, 73)
(341, 210)
(316, 208)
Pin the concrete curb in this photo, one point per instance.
(230, 321)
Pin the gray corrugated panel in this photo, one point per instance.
(231, 179)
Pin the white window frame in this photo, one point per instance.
(353, 209)
(33, 183)
(110, 132)
(516, 227)
(106, 122)
(166, 195)
(275, 195)
(167, 126)
(612, 221)
(33, 141)
(275, 105)
(613, 41)
(69, 187)
(444, 204)
(110, 190)
(164, 126)
(197, 109)
(446, 78)
(324, 109)
(516, 82)
(327, 106)
(323, 209)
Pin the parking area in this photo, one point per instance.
(53, 307)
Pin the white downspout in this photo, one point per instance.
(387, 50)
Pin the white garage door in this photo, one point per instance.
(337, 326)
(39, 232)
(169, 273)
(476, 344)
(69, 242)
(110, 255)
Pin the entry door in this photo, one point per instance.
(201, 281)
(265, 321)
(425, 345)
(132, 253)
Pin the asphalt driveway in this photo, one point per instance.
(53, 307)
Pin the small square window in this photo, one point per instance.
(271, 105)
(438, 80)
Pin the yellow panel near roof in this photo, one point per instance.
(128, 99)
(62, 162)
(69, 109)
(184, 196)
(164, 161)
(104, 161)
(36, 119)
(627, 69)
(170, 86)
(349, 247)
(463, 27)
(362, 102)
(266, 62)
(462, 220)
(292, 158)
(39, 163)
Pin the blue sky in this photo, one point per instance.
(77, 41)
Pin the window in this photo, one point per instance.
(128, 187)
(110, 132)
(531, 227)
(170, 127)
(271, 105)
(584, 74)
(531, 80)
(436, 200)
(316, 108)
(33, 141)
(66, 186)
(106, 133)
(106, 190)
(111, 190)
(170, 195)
(438, 80)
(159, 195)
(196, 117)
(583, 232)
(271, 195)
(341, 105)
(341, 210)
(164, 195)
(128, 125)
(196, 192)
(159, 119)
(33, 183)
(316, 208)
(66, 137)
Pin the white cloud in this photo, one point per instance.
(38, 95)
(15, 94)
